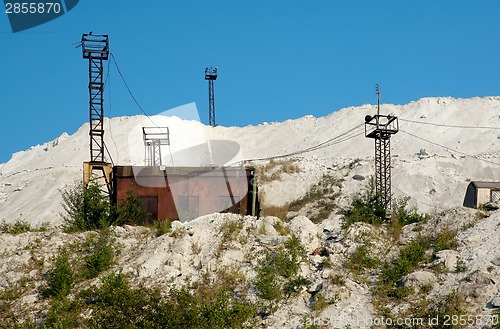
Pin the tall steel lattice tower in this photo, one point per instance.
(211, 76)
(95, 48)
(381, 128)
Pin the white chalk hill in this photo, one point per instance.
(437, 178)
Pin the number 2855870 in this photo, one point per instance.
(32, 8)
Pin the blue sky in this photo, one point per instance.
(277, 59)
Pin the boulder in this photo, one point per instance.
(492, 206)
(358, 177)
(496, 261)
(479, 277)
(419, 279)
(448, 258)
(315, 287)
(495, 302)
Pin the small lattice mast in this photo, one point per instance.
(381, 128)
(211, 76)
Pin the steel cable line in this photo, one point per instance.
(136, 102)
(446, 125)
(449, 149)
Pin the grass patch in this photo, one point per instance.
(277, 271)
(393, 272)
(116, 304)
(273, 170)
(361, 259)
(276, 211)
(445, 239)
(61, 278)
(161, 227)
(20, 226)
(101, 254)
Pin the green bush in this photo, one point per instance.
(85, 208)
(20, 226)
(130, 211)
(393, 272)
(101, 255)
(322, 195)
(117, 305)
(445, 239)
(365, 207)
(60, 279)
(407, 260)
(404, 216)
(361, 259)
(277, 271)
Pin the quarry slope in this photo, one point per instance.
(443, 143)
(31, 180)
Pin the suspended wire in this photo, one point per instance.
(446, 125)
(107, 82)
(449, 149)
(347, 135)
(136, 102)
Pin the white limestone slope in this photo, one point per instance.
(30, 181)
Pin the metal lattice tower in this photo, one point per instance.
(95, 48)
(154, 138)
(211, 75)
(381, 127)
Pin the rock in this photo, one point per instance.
(419, 279)
(491, 206)
(448, 258)
(495, 302)
(272, 240)
(315, 287)
(176, 225)
(306, 230)
(321, 251)
(358, 177)
(433, 191)
(291, 215)
(496, 261)
(479, 277)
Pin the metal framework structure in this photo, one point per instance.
(95, 48)
(211, 75)
(154, 138)
(381, 128)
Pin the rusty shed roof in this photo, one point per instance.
(490, 185)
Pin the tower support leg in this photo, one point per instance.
(98, 171)
(383, 171)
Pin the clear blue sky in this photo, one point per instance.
(277, 59)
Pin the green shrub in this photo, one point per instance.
(117, 305)
(130, 211)
(278, 269)
(162, 226)
(393, 272)
(322, 195)
(409, 257)
(85, 208)
(15, 228)
(294, 286)
(63, 314)
(101, 256)
(365, 207)
(445, 239)
(361, 259)
(60, 279)
(404, 216)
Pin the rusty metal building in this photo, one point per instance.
(479, 193)
(184, 193)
